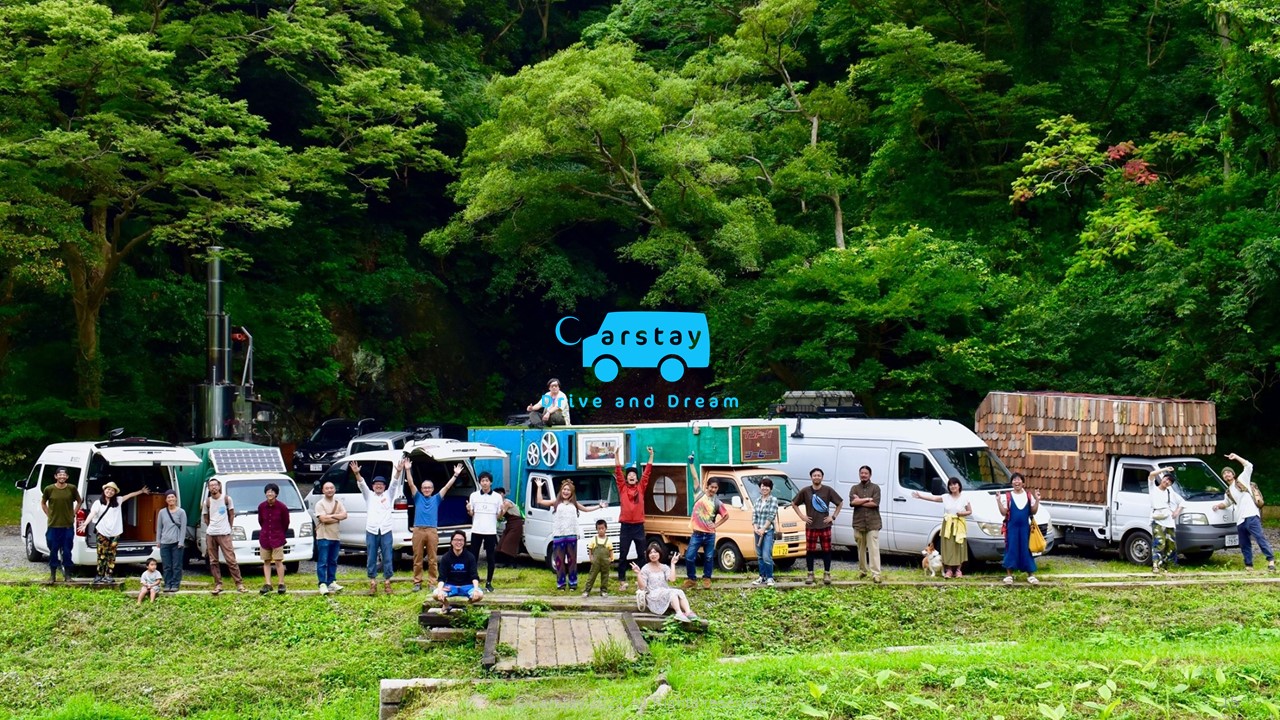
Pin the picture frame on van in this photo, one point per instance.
(600, 449)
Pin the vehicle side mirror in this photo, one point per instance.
(21, 484)
(736, 501)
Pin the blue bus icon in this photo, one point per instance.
(669, 341)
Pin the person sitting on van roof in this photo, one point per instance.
(551, 409)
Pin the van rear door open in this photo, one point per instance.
(142, 455)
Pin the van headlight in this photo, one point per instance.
(991, 529)
(1193, 519)
(237, 533)
(305, 531)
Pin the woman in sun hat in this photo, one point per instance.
(109, 525)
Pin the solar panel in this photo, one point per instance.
(247, 460)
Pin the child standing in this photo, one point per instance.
(151, 580)
(601, 552)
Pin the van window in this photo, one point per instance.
(784, 491)
(915, 472)
(46, 477)
(976, 468)
(590, 489)
(360, 446)
(129, 479)
(1134, 480)
(728, 490)
(246, 495)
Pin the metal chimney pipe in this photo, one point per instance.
(218, 345)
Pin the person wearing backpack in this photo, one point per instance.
(171, 540)
(1242, 493)
(218, 513)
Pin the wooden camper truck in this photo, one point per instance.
(1090, 455)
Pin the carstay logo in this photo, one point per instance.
(669, 341)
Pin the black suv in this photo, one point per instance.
(327, 445)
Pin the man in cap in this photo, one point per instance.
(379, 501)
(60, 503)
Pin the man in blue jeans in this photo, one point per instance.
(60, 503)
(1248, 516)
(379, 502)
(708, 514)
(329, 513)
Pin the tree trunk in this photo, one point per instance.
(90, 273)
(1224, 42)
(839, 219)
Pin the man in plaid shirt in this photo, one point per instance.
(764, 519)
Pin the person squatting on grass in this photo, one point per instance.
(708, 515)
(601, 552)
(218, 514)
(60, 503)
(655, 579)
(171, 540)
(764, 521)
(1248, 516)
(151, 579)
(819, 505)
(379, 503)
(273, 521)
(955, 508)
(485, 507)
(426, 523)
(864, 498)
(458, 575)
(1166, 506)
(1018, 508)
(564, 531)
(108, 522)
(330, 512)
(631, 489)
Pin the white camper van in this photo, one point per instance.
(907, 456)
(131, 463)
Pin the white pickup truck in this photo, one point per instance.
(1125, 520)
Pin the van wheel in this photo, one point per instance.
(550, 558)
(784, 564)
(1137, 547)
(729, 557)
(292, 567)
(29, 541)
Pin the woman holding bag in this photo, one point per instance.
(955, 508)
(1018, 508)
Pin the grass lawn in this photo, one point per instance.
(957, 651)
(10, 500)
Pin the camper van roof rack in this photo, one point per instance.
(819, 403)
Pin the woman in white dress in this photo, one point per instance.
(955, 507)
(655, 580)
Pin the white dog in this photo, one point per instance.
(932, 561)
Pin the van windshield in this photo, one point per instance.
(247, 494)
(590, 489)
(1197, 481)
(783, 489)
(977, 468)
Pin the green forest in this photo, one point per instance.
(916, 200)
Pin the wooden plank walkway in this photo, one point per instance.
(560, 640)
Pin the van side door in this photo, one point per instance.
(910, 521)
(537, 519)
(1130, 497)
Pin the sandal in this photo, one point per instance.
(1008, 580)
(1033, 580)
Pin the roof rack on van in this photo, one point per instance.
(818, 403)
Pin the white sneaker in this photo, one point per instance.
(769, 582)
(682, 617)
(758, 581)
(1033, 580)
(324, 589)
(335, 587)
(1008, 579)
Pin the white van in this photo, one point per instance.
(131, 464)
(907, 456)
(432, 459)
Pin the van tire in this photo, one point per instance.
(292, 567)
(729, 557)
(28, 540)
(784, 564)
(1136, 547)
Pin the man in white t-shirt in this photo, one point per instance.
(1248, 516)
(218, 514)
(379, 501)
(1166, 505)
(485, 506)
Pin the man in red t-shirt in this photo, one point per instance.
(631, 520)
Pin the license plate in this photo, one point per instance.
(1233, 541)
(316, 468)
(779, 550)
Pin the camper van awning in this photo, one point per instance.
(144, 456)
(445, 450)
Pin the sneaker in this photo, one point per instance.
(586, 594)
(265, 589)
(1155, 569)
(1248, 568)
(946, 574)
(1033, 580)
(706, 583)
(324, 589)
(758, 581)
(334, 587)
(689, 584)
(1271, 567)
(769, 582)
(559, 588)
(417, 587)
(826, 578)
(1008, 580)
(959, 574)
(604, 593)
(112, 581)
(53, 575)
(682, 617)
(808, 579)
(573, 587)
(280, 589)
(488, 587)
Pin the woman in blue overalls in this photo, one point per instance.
(1018, 507)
